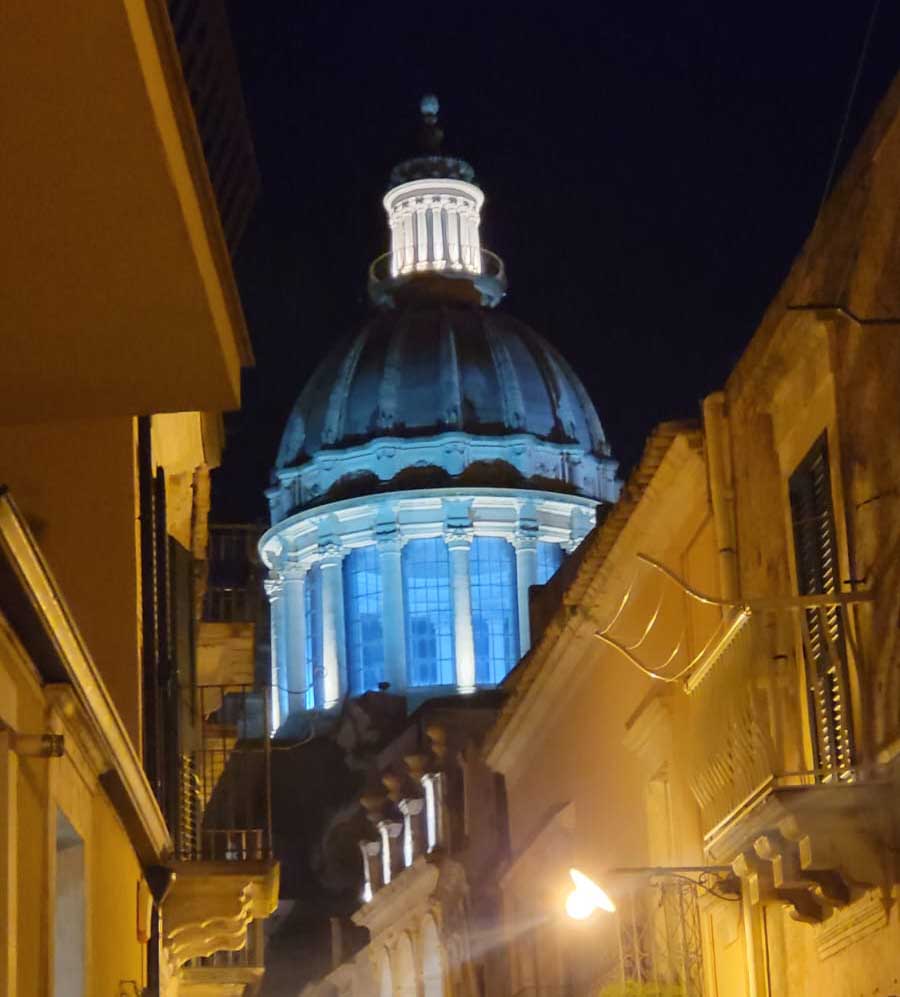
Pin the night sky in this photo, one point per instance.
(651, 170)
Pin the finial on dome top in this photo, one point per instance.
(429, 106)
(432, 134)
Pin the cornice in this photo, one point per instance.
(411, 890)
(672, 465)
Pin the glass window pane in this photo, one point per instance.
(549, 558)
(430, 656)
(315, 693)
(363, 614)
(495, 617)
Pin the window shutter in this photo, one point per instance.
(815, 553)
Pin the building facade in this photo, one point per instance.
(708, 725)
(123, 342)
(437, 465)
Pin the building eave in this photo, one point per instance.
(536, 682)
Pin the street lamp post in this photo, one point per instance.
(588, 897)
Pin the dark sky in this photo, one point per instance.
(651, 170)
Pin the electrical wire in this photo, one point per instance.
(842, 134)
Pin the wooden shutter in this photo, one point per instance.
(815, 552)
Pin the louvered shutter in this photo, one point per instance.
(815, 552)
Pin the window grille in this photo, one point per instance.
(315, 693)
(363, 614)
(815, 553)
(428, 600)
(495, 619)
(549, 559)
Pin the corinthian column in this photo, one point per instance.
(275, 591)
(334, 643)
(459, 542)
(525, 544)
(296, 678)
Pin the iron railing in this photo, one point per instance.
(226, 790)
(660, 943)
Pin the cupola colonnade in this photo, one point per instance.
(425, 590)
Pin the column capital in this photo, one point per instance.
(389, 544)
(274, 587)
(525, 539)
(458, 537)
(332, 553)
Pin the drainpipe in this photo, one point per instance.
(721, 492)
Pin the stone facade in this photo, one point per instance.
(719, 685)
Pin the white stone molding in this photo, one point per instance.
(587, 473)
(392, 904)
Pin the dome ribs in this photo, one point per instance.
(596, 435)
(510, 389)
(563, 417)
(449, 365)
(333, 428)
(386, 414)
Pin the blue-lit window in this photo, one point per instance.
(363, 613)
(549, 558)
(495, 616)
(315, 692)
(429, 613)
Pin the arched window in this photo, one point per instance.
(428, 603)
(315, 692)
(495, 619)
(363, 614)
(549, 558)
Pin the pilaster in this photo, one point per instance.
(297, 680)
(274, 587)
(334, 638)
(525, 543)
(393, 630)
(459, 544)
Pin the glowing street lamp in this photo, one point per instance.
(588, 897)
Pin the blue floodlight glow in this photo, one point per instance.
(429, 613)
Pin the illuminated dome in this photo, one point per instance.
(436, 466)
(428, 372)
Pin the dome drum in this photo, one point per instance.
(426, 590)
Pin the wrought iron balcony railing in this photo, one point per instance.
(226, 780)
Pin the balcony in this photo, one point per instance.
(478, 275)
(807, 838)
(96, 321)
(224, 876)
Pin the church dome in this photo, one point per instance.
(438, 369)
